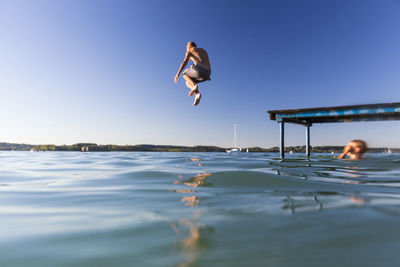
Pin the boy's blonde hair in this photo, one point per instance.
(360, 144)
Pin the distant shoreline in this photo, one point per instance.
(92, 147)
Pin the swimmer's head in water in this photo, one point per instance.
(355, 149)
(358, 146)
(191, 45)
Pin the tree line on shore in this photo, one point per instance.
(92, 147)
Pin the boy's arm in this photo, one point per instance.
(346, 150)
(183, 65)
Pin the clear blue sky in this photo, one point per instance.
(102, 71)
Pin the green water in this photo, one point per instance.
(198, 209)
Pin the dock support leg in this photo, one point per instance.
(307, 141)
(282, 147)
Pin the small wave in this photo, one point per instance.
(268, 181)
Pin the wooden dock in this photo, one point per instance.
(308, 116)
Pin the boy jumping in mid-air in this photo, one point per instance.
(355, 149)
(199, 72)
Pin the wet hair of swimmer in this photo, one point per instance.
(360, 145)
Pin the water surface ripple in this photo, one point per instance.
(198, 209)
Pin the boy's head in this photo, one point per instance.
(190, 45)
(357, 148)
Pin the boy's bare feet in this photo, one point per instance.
(197, 99)
(193, 90)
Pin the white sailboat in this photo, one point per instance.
(235, 148)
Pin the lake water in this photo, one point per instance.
(198, 209)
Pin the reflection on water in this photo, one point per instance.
(191, 201)
(358, 200)
(196, 181)
(303, 204)
(193, 238)
(191, 230)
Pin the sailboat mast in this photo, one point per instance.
(235, 134)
